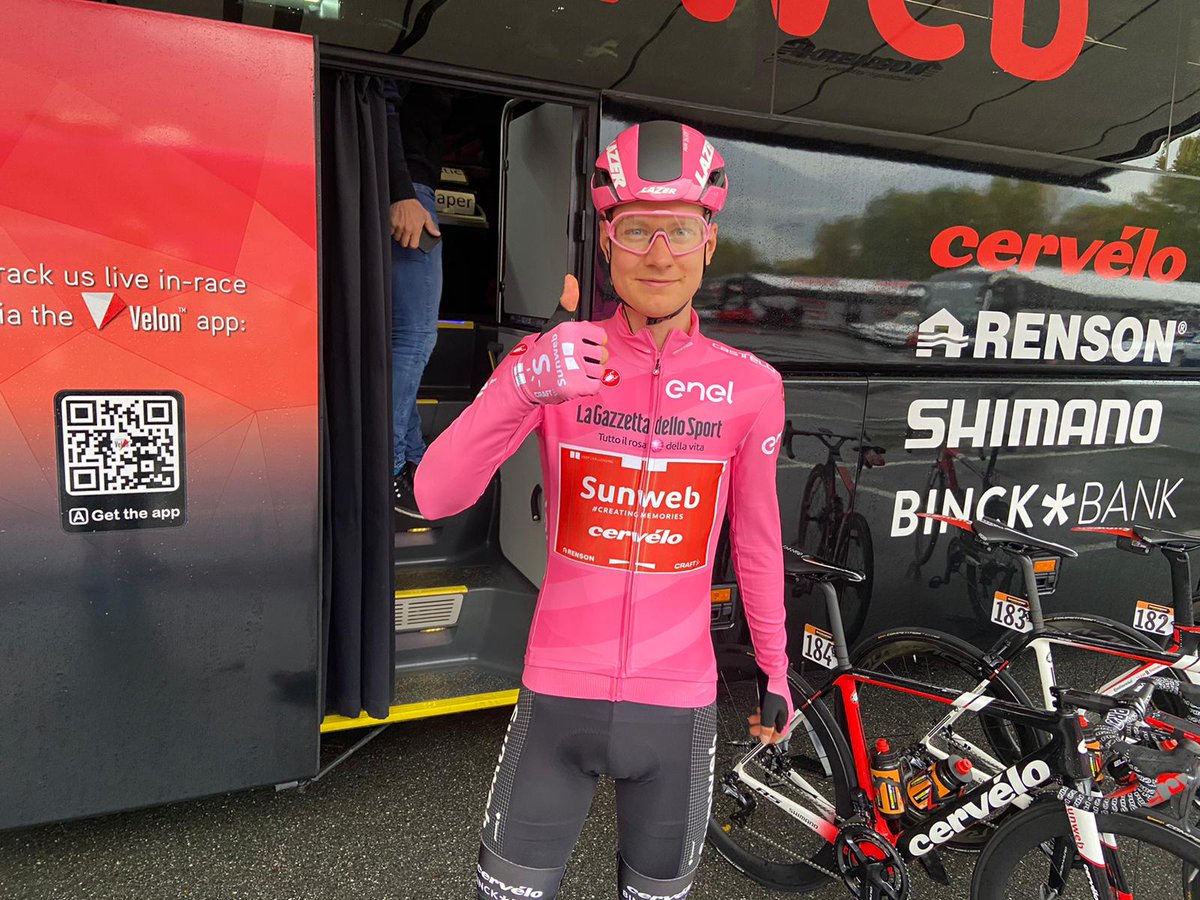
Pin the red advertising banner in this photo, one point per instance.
(157, 231)
(158, 408)
(901, 27)
(618, 510)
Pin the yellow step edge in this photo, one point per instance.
(406, 712)
(432, 592)
(427, 402)
(442, 323)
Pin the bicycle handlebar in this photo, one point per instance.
(832, 442)
(1130, 721)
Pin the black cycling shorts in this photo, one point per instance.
(661, 759)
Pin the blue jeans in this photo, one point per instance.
(416, 294)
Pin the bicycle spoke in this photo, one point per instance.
(727, 732)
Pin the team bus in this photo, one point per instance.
(939, 215)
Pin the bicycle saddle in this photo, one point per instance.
(1166, 540)
(989, 531)
(797, 565)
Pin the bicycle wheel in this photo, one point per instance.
(757, 836)
(926, 542)
(856, 552)
(928, 729)
(1033, 855)
(816, 513)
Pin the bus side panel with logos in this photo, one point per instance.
(158, 410)
(1024, 340)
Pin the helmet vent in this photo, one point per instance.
(660, 151)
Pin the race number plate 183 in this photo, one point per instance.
(1152, 618)
(818, 646)
(1011, 612)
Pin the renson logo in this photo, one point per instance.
(1002, 790)
(713, 393)
(917, 40)
(1029, 335)
(960, 245)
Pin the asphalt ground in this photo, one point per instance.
(397, 821)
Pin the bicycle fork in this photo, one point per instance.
(1101, 861)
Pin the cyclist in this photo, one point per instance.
(649, 431)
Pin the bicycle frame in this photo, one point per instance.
(949, 458)
(1181, 656)
(836, 469)
(1012, 785)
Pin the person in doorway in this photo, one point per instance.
(415, 116)
(649, 433)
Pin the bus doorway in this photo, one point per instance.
(513, 219)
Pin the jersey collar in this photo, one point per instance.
(643, 342)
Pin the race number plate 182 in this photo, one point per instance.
(1011, 612)
(1152, 618)
(818, 646)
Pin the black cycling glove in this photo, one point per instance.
(775, 709)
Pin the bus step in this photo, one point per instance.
(423, 693)
(426, 609)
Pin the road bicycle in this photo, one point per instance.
(794, 815)
(829, 527)
(1100, 654)
(943, 477)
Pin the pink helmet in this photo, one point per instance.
(661, 161)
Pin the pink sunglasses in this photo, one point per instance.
(635, 231)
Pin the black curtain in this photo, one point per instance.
(358, 589)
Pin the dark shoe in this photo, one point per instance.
(403, 497)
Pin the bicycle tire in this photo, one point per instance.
(819, 726)
(855, 599)
(923, 654)
(1047, 822)
(926, 543)
(815, 508)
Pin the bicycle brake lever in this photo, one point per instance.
(1099, 703)
(789, 434)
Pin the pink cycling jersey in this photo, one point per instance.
(637, 478)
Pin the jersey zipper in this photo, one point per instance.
(643, 486)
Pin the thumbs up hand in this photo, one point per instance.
(567, 361)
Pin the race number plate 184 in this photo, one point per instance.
(1011, 612)
(1152, 618)
(818, 646)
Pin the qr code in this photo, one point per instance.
(120, 443)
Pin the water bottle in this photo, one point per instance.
(886, 765)
(945, 778)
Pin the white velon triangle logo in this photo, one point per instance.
(103, 307)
